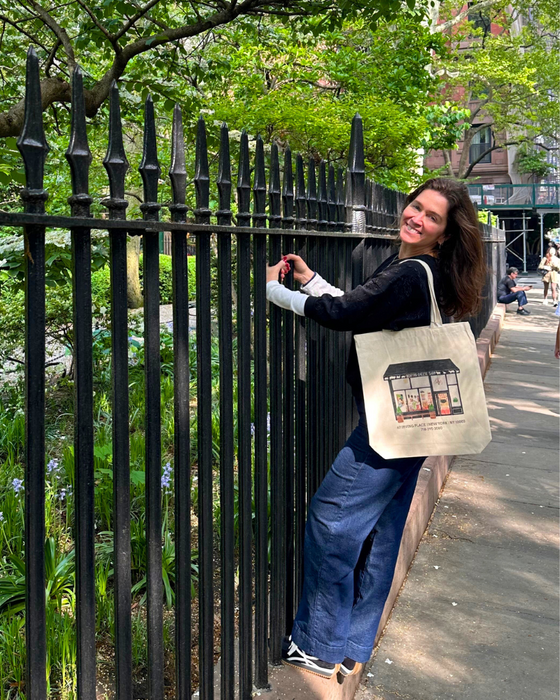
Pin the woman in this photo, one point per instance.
(549, 267)
(356, 518)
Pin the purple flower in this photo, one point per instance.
(65, 493)
(17, 485)
(52, 466)
(166, 477)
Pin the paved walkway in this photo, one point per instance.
(477, 618)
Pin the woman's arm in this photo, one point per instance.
(317, 286)
(285, 298)
(398, 292)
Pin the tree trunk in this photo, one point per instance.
(448, 164)
(133, 290)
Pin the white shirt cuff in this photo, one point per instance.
(285, 298)
(317, 286)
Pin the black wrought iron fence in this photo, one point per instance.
(284, 409)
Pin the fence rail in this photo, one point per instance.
(284, 409)
(536, 195)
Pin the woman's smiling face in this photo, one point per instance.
(423, 223)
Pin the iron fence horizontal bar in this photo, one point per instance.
(139, 227)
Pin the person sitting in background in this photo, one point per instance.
(508, 291)
(549, 268)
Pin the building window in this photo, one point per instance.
(481, 142)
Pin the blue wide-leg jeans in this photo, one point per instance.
(352, 539)
(520, 296)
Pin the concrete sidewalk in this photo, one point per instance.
(477, 617)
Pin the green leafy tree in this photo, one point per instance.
(503, 68)
(295, 87)
(118, 39)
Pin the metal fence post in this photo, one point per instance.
(116, 165)
(79, 158)
(34, 148)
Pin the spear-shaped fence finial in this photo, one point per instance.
(244, 183)
(274, 192)
(369, 205)
(331, 199)
(224, 179)
(115, 162)
(177, 170)
(322, 198)
(201, 175)
(355, 194)
(32, 143)
(149, 166)
(311, 196)
(78, 154)
(259, 187)
(301, 197)
(288, 191)
(340, 199)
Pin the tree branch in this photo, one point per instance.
(101, 89)
(132, 20)
(52, 90)
(98, 24)
(31, 37)
(494, 147)
(474, 113)
(57, 30)
(50, 59)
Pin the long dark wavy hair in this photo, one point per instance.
(461, 257)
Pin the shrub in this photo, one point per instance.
(166, 277)
(101, 289)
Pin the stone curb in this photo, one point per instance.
(291, 684)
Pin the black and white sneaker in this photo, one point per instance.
(292, 655)
(349, 667)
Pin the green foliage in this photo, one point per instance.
(101, 290)
(58, 310)
(506, 73)
(58, 256)
(294, 80)
(483, 217)
(531, 161)
(60, 516)
(296, 88)
(166, 278)
(59, 575)
(148, 61)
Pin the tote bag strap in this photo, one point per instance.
(435, 316)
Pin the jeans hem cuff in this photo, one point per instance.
(325, 652)
(358, 653)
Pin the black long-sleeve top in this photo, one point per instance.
(395, 296)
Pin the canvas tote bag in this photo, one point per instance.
(423, 389)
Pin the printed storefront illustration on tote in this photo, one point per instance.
(424, 389)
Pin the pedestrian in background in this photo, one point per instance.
(549, 267)
(508, 291)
